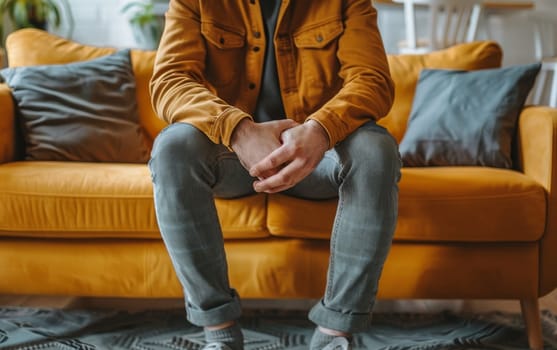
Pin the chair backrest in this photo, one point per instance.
(544, 91)
(544, 20)
(451, 22)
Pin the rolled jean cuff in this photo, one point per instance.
(339, 321)
(223, 313)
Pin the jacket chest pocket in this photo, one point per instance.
(225, 52)
(317, 47)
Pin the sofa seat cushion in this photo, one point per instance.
(94, 200)
(437, 204)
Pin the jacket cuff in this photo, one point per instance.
(226, 123)
(335, 128)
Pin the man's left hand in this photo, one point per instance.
(301, 151)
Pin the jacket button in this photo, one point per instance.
(257, 35)
(221, 40)
(251, 86)
(256, 49)
(319, 38)
(252, 2)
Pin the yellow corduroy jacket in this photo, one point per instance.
(331, 64)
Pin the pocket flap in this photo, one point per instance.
(223, 38)
(318, 37)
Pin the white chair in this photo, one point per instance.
(544, 21)
(544, 91)
(450, 22)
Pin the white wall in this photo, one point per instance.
(100, 22)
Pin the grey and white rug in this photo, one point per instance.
(46, 329)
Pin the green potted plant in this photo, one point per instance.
(35, 13)
(146, 24)
(41, 14)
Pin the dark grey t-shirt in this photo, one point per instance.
(269, 103)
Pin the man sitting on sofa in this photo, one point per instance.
(274, 96)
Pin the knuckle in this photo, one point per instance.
(292, 148)
(273, 161)
(285, 178)
(289, 181)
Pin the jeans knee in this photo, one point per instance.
(179, 151)
(373, 150)
(374, 142)
(179, 142)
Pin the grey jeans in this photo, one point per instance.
(188, 171)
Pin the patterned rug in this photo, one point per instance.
(46, 329)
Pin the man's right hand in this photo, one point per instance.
(254, 141)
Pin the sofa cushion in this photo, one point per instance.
(405, 70)
(52, 49)
(91, 113)
(441, 204)
(466, 117)
(93, 200)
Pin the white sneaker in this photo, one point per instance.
(339, 343)
(216, 346)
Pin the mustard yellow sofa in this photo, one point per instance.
(89, 229)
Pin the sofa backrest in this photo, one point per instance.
(405, 70)
(28, 47)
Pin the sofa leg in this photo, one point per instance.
(531, 314)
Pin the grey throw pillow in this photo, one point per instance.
(466, 117)
(83, 111)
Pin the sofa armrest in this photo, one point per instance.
(7, 125)
(537, 156)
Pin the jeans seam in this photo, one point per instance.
(333, 247)
(150, 166)
(340, 208)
